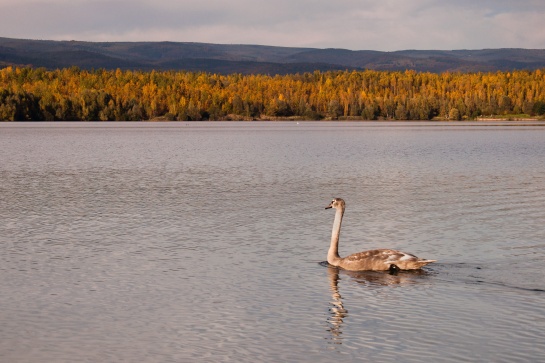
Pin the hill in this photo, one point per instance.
(253, 59)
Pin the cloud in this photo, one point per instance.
(351, 24)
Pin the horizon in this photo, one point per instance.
(266, 45)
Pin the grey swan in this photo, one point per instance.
(372, 260)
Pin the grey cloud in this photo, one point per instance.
(352, 24)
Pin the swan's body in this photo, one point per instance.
(376, 260)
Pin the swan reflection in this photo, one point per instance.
(338, 314)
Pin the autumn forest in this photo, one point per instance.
(73, 94)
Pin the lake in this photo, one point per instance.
(205, 242)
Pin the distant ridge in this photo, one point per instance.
(254, 59)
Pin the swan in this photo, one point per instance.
(372, 260)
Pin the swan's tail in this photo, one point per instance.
(421, 263)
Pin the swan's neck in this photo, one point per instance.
(333, 257)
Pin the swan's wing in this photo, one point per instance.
(379, 259)
(384, 255)
(382, 259)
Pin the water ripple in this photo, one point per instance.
(197, 242)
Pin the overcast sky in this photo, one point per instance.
(385, 25)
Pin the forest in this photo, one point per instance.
(73, 94)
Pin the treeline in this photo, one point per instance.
(75, 94)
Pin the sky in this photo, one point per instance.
(385, 25)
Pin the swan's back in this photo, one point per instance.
(382, 260)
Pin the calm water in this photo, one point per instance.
(202, 242)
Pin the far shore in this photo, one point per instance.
(233, 117)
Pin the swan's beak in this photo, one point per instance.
(329, 206)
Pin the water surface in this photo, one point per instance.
(170, 242)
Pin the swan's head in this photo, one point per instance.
(337, 203)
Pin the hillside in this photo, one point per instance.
(253, 59)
